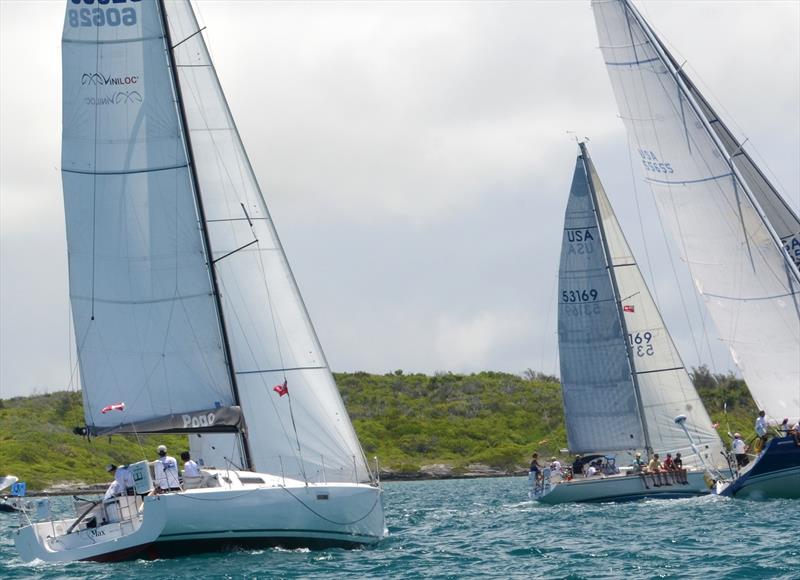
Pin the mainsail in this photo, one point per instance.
(183, 297)
(619, 365)
(738, 236)
(600, 402)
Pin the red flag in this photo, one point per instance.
(281, 389)
(627, 308)
(114, 407)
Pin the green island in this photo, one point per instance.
(418, 426)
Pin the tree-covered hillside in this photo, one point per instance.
(38, 446)
(407, 421)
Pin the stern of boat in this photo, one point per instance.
(128, 527)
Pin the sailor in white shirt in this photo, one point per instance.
(166, 471)
(761, 424)
(739, 449)
(123, 481)
(190, 468)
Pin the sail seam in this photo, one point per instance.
(279, 370)
(632, 62)
(689, 181)
(237, 219)
(659, 371)
(132, 302)
(165, 168)
(752, 299)
(115, 41)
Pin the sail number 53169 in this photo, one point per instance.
(579, 295)
(641, 343)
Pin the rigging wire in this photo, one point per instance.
(550, 309)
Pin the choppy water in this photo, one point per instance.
(472, 528)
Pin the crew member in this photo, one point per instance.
(166, 471)
(739, 449)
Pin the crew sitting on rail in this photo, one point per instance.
(638, 463)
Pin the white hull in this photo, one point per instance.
(208, 519)
(622, 487)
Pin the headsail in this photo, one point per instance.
(664, 386)
(307, 434)
(144, 314)
(729, 221)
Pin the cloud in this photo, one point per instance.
(415, 158)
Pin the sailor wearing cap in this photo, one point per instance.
(123, 481)
(166, 471)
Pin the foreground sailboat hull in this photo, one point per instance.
(621, 488)
(217, 519)
(774, 474)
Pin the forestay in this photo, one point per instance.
(144, 315)
(306, 434)
(718, 209)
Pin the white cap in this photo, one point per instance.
(162, 448)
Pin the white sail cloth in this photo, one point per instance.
(150, 330)
(271, 336)
(749, 285)
(145, 320)
(665, 388)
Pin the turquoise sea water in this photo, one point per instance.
(473, 528)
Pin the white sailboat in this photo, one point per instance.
(623, 381)
(739, 237)
(187, 316)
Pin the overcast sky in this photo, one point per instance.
(416, 160)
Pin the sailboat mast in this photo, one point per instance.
(202, 216)
(671, 65)
(617, 299)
